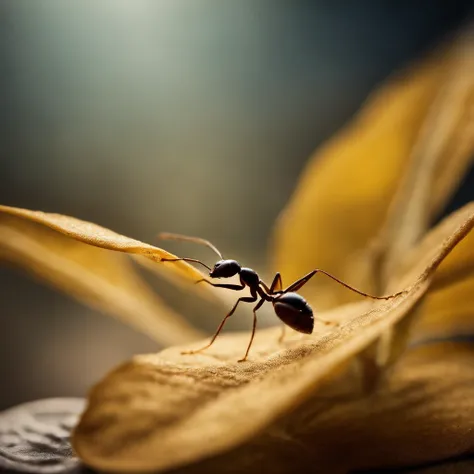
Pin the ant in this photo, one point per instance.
(290, 307)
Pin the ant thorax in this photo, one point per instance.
(249, 277)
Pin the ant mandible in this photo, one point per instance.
(290, 307)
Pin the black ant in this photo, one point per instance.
(290, 307)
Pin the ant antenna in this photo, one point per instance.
(196, 240)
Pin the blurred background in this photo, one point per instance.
(172, 115)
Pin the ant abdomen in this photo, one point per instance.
(295, 312)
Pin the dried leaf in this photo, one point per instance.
(97, 236)
(103, 279)
(413, 139)
(422, 411)
(34, 437)
(447, 312)
(440, 155)
(154, 412)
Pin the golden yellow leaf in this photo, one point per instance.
(441, 153)
(155, 412)
(98, 236)
(421, 412)
(447, 313)
(54, 247)
(368, 194)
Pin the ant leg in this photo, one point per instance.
(185, 260)
(223, 285)
(275, 287)
(253, 328)
(302, 281)
(277, 284)
(283, 333)
(323, 321)
(245, 299)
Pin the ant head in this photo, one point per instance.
(225, 269)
